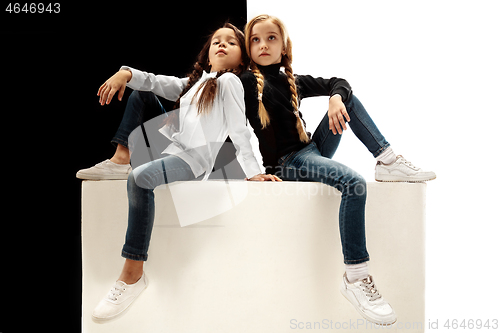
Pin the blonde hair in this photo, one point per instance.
(286, 62)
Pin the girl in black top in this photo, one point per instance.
(291, 153)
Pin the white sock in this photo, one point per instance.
(356, 272)
(387, 156)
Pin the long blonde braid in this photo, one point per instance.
(286, 62)
(263, 114)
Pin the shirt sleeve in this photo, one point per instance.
(232, 94)
(309, 86)
(168, 87)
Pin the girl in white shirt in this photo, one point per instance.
(211, 107)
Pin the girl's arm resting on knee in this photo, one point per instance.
(337, 114)
(168, 87)
(339, 91)
(115, 83)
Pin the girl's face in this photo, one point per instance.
(266, 43)
(225, 51)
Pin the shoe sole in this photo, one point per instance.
(101, 177)
(397, 179)
(121, 313)
(364, 315)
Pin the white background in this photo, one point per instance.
(428, 74)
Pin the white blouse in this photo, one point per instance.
(199, 137)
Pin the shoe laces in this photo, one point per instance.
(408, 163)
(370, 289)
(115, 292)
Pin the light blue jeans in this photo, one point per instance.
(141, 201)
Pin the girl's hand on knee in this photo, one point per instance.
(336, 114)
(263, 177)
(117, 82)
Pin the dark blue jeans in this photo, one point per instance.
(314, 163)
(361, 125)
(141, 106)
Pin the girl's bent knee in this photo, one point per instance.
(149, 179)
(356, 186)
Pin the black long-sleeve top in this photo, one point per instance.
(281, 137)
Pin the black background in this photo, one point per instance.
(52, 67)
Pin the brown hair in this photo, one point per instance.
(208, 89)
(286, 62)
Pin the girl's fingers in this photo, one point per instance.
(346, 115)
(101, 88)
(110, 95)
(332, 125)
(121, 92)
(339, 129)
(104, 95)
(101, 91)
(342, 122)
(337, 126)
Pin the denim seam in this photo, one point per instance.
(145, 239)
(342, 210)
(287, 158)
(326, 136)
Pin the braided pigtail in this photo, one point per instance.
(263, 114)
(295, 101)
(208, 90)
(194, 76)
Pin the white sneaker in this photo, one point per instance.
(118, 300)
(105, 170)
(401, 170)
(365, 297)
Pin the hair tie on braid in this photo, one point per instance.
(263, 115)
(301, 129)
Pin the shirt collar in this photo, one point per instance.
(272, 70)
(206, 76)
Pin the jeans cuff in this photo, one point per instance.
(136, 257)
(356, 261)
(381, 150)
(115, 141)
